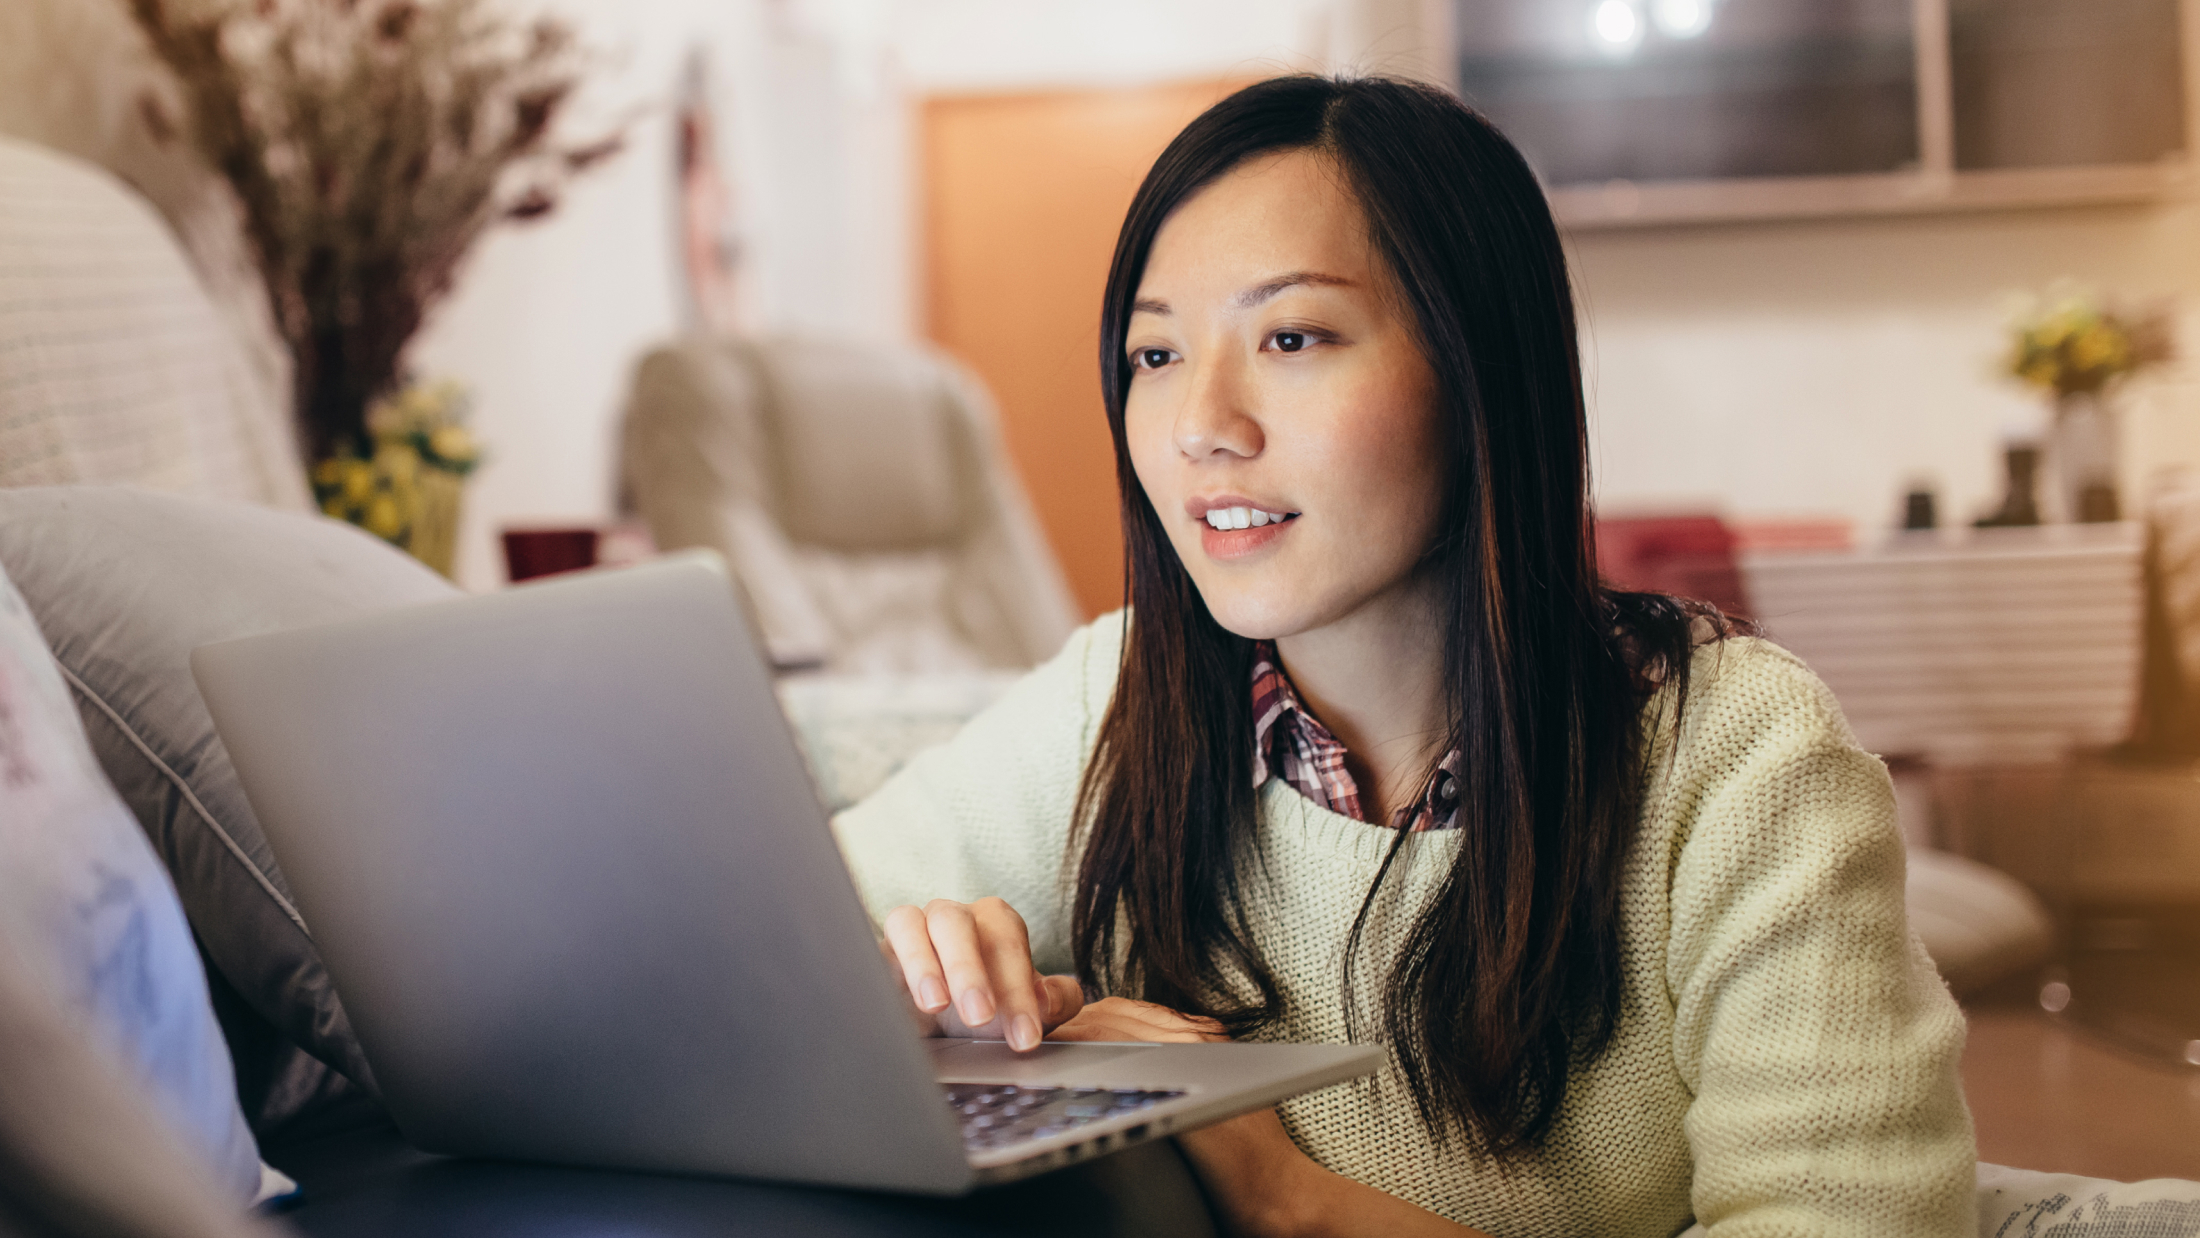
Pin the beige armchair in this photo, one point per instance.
(860, 493)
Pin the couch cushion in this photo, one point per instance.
(2015, 1202)
(872, 454)
(856, 731)
(115, 366)
(1978, 923)
(90, 926)
(125, 584)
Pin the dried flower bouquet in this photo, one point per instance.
(369, 142)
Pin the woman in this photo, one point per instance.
(1371, 755)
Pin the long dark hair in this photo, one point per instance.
(1512, 972)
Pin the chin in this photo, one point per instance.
(1252, 616)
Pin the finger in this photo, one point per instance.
(1123, 1019)
(1101, 1026)
(1163, 1016)
(1006, 944)
(1064, 998)
(953, 932)
(911, 944)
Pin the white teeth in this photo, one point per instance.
(1243, 518)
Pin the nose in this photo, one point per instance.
(1216, 416)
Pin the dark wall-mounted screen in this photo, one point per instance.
(1660, 90)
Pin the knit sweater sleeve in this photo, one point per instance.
(988, 813)
(1818, 1041)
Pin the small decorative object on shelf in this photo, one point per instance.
(533, 553)
(1919, 509)
(406, 491)
(2071, 347)
(2020, 503)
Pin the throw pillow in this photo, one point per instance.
(89, 925)
(2016, 1202)
(125, 584)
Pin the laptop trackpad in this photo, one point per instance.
(1058, 1065)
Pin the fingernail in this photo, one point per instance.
(976, 1010)
(931, 994)
(1024, 1033)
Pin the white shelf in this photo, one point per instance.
(1631, 204)
(1968, 646)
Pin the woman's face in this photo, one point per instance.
(1274, 373)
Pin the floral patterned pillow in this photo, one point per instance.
(84, 901)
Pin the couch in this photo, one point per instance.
(105, 590)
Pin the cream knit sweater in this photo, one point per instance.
(1785, 1061)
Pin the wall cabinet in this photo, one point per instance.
(1658, 111)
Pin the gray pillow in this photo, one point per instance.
(125, 583)
(93, 941)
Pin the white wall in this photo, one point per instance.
(1819, 367)
(547, 320)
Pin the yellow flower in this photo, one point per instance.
(2038, 370)
(383, 519)
(328, 473)
(400, 463)
(334, 506)
(358, 479)
(2089, 348)
(452, 443)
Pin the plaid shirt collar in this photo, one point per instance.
(1292, 744)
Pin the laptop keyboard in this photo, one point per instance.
(994, 1115)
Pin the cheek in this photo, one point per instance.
(1146, 433)
(1387, 459)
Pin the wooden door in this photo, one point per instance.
(1023, 196)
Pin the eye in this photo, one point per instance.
(1151, 358)
(1290, 341)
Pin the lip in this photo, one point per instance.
(1239, 543)
(1228, 544)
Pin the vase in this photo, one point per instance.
(2083, 450)
(432, 537)
(393, 495)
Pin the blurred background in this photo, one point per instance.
(1887, 311)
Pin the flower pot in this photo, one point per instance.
(433, 535)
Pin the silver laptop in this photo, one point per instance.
(567, 869)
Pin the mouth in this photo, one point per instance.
(1245, 517)
(1237, 527)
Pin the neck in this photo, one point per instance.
(1375, 679)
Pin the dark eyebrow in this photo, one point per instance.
(1255, 294)
(1261, 292)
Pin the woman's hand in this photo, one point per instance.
(1259, 1181)
(1120, 1018)
(967, 967)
